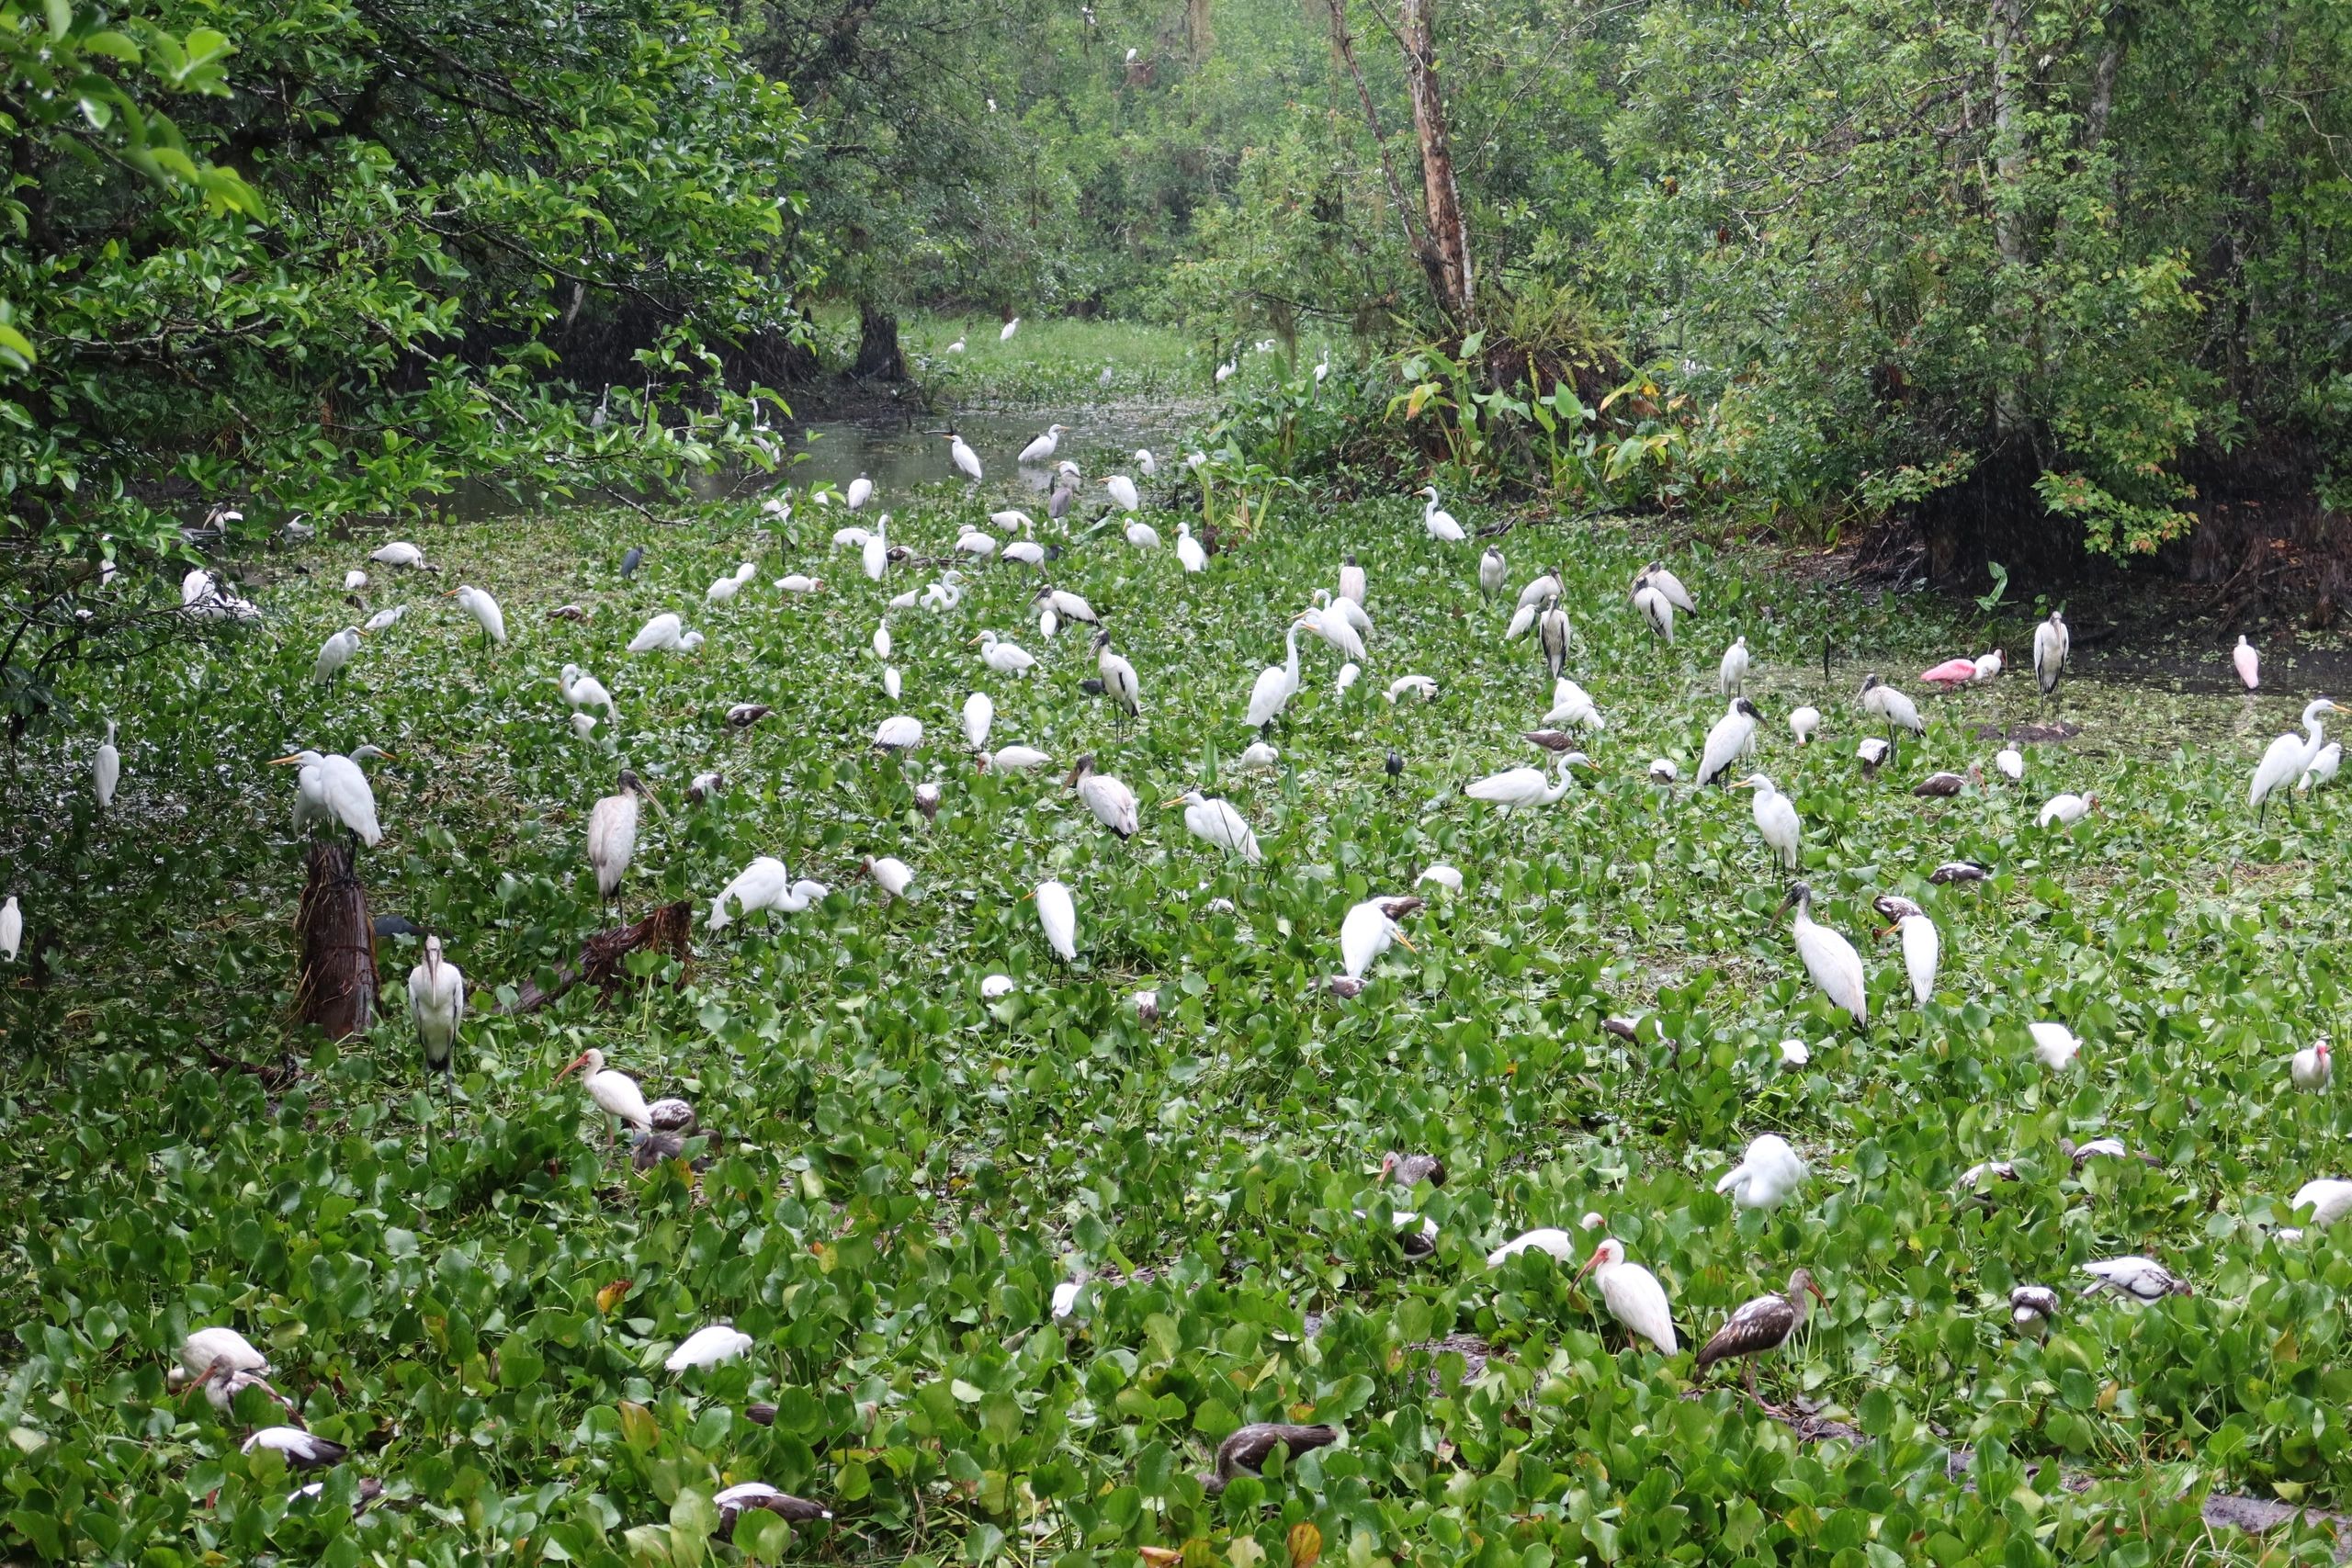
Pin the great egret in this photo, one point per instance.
(399, 552)
(1368, 928)
(1225, 371)
(484, 610)
(1729, 738)
(880, 641)
(1123, 490)
(1333, 628)
(2055, 1045)
(1012, 518)
(980, 713)
(1011, 327)
(1759, 1327)
(1573, 705)
(1732, 673)
(899, 732)
(709, 1347)
(874, 552)
(1516, 787)
(332, 786)
(1146, 463)
(1776, 819)
(1765, 1176)
(1349, 674)
(1189, 553)
(1830, 958)
(1898, 711)
(2142, 1278)
(1658, 610)
(1142, 535)
(437, 1001)
(665, 631)
(612, 832)
(1058, 913)
(581, 690)
(12, 928)
(1803, 722)
(1420, 686)
(106, 769)
(1004, 657)
(1276, 684)
(1554, 1243)
(2248, 664)
(1043, 448)
(764, 885)
(966, 461)
(333, 654)
(1922, 944)
(2051, 643)
(1119, 683)
(799, 582)
(615, 1092)
(1113, 803)
(2290, 756)
(1491, 568)
(2066, 810)
(1632, 1295)
(1217, 823)
(893, 876)
(1437, 522)
(957, 346)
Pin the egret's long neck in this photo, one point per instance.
(1431, 509)
(1290, 642)
(1560, 783)
(2318, 739)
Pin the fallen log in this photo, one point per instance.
(667, 930)
(337, 991)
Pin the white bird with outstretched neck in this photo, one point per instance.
(581, 690)
(1517, 787)
(332, 787)
(665, 632)
(106, 769)
(960, 452)
(1437, 522)
(333, 654)
(615, 1092)
(2289, 757)
(1042, 449)
(485, 609)
(763, 885)
(1276, 684)
(1830, 958)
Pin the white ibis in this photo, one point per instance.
(1804, 723)
(2247, 663)
(2009, 762)
(1658, 610)
(2031, 1307)
(1043, 448)
(2141, 1278)
(2066, 810)
(1003, 656)
(1119, 683)
(205, 1350)
(899, 732)
(1830, 958)
(1573, 705)
(1632, 1295)
(399, 552)
(1922, 944)
(1897, 710)
(2288, 757)
(2312, 1066)
(1113, 803)
(1367, 930)
(383, 620)
(612, 832)
(2055, 1047)
(1759, 1327)
(298, 1449)
(1013, 760)
(724, 590)
(1517, 787)
(1218, 824)
(2323, 767)
(1730, 738)
(225, 1383)
(860, 491)
(2051, 642)
(710, 1346)
(484, 610)
(1189, 554)
(1491, 570)
(893, 876)
(333, 786)
(106, 769)
(1554, 1243)
(960, 452)
(1275, 685)
(664, 633)
(1419, 686)
(1437, 522)
(1767, 1174)
(1731, 675)
(980, 713)
(734, 1501)
(437, 1001)
(1776, 819)
(1443, 875)
(615, 1092)
(333, 654)
(1058, 913)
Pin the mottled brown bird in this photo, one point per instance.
(1765, 1324)
(1245, 1451)
(1411, 1170)
(760, 1494)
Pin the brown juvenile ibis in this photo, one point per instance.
(733, 1501)
(1762, 1324)
(1247, 1450)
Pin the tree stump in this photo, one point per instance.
(338, 986)
(667, 930)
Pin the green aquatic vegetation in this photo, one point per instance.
(478, 1299)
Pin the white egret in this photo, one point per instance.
(1011, 327)
(961, 453)
(2009, 762)
(1632, 1295)
(1123, 490)
(1437, 522)
(399, 552)
(1830, 958)
(1776, 819)
(1043, 448)
(763, 885)
(1217, 823)
(2288, 757)
(1573, 705)
(1004, 657)
(1189, 553)
(1258, 758)
(1897, 710)
(2142, 1278)
(1113, 803)
(1760, 1327)
(484, 610)
(1013, 760)
(1765, 1176)
(860, 491)
(1922, 943)
(1732, 673)
(2312, 1066)
(799, 582)
(1349, 674)
(1549, 1240)
(1333, 628)
(1119, 683)
(106, 769)
(899, 732)
(994, 987)
(1491, 567)
(2051, 643)
(1276, 684)
(1057, 913)
(947, 591)
(1142, 535)
(2055, 1045)
(12, 928)
(330, 785)
(583, 725)
(1729, 738)
(708, 1347)
(724, 590)
(2066, 810)
(893, 876)
(1658, 610)
(980, 713)
(335, 653)
(1225, 371)
(615, 1092)
(1012, 518)
(1516, 787)
(354, 581)
(665, 631)
(383, 620)
(873, 555)
(581, 690)
(2323, 767)
(1420, 686)
(1367, 930)
(612, 832)
(2328, 1199)
(437, 1001)
(1803, 723)
(851, 538)
(881, 640)
(1444, 875)
(2247, 663)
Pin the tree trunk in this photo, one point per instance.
(668, 929)
(2010, 48)
(337, 991)
(879, 357)
(1449, 232)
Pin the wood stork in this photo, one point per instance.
(436, 1002)
(899, 732)
(2051, 643)
(1729, 738)
(399, 552)
(1352, 580)
(1897, 710)
(1112, 802)
(1658, 610)
(1119, 683)
(612, 832)
(1492, 569)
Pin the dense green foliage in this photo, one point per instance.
(906, 1169)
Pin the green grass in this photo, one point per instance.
(909, 1170)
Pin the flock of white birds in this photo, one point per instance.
(331, 789)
